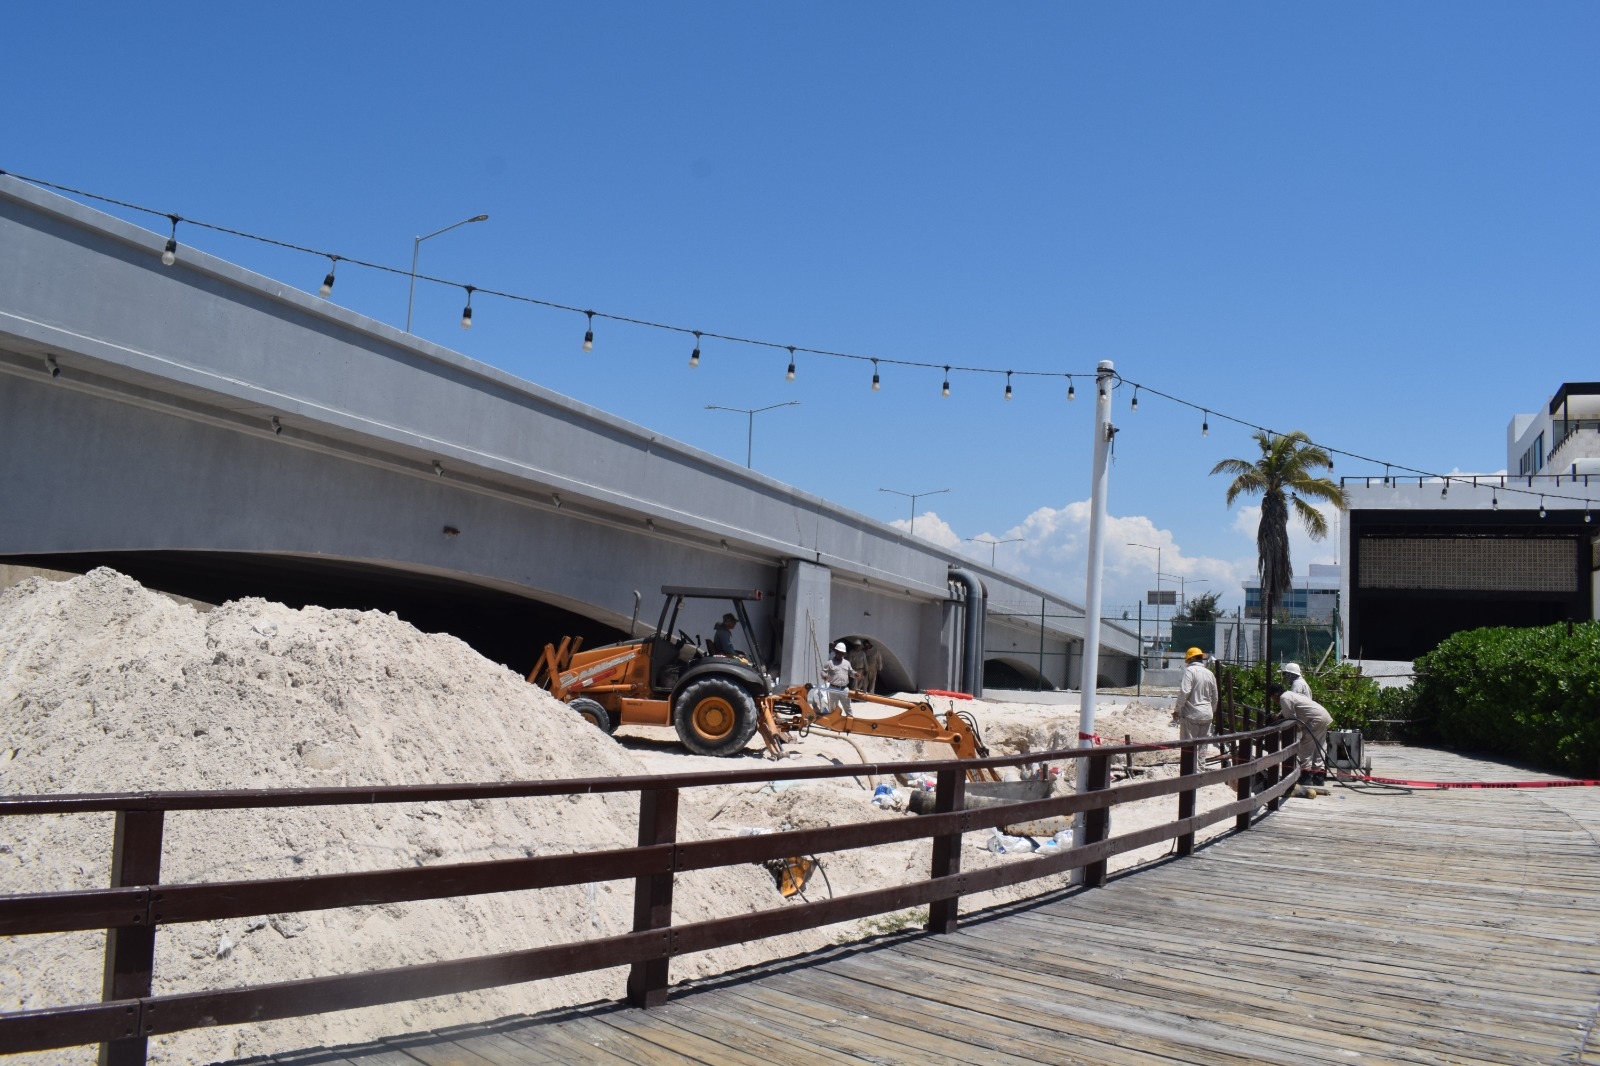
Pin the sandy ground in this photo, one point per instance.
(106, 686)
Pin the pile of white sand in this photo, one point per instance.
(107, 687)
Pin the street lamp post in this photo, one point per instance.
(1183, 590)
(1183, 587)
(750, 431)
(1157, 549)
(915, 496)
(416, 246)
(993, 544)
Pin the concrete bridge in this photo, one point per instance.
(217, 434)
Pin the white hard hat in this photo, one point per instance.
(839, 647)
(1292, 668)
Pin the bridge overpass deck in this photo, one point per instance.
(1430, 927)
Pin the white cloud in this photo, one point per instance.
(1054, 552)
(933, 528)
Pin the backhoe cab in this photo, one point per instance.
(666, 678)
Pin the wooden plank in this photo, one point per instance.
(984, 1043)
(430, 1049)
(1145, 991)
(646, 1028)
(561, 1042)
(720, 1017)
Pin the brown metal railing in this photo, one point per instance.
(137, 903)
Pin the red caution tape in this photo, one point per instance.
(948, 694)
(1557, 783)
(1096, 737)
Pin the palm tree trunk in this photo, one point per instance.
(1266, 655)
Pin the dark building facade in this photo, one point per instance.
(1414, 576)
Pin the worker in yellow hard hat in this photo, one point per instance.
(1197, 703)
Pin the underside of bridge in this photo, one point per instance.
(501, 626)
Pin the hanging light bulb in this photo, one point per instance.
(169, 254)
(1205, 423)
(1386, 476)
(1072, 390)
(789, 376)
(694, 356)
(327, 283)
(588, 334)
(875, 385)
(466, 312)
(1446, 490)
(945, 392)
(1008, 386)
(1134, 406)
(1494, 500)
(1586, 510)
(1541, 506)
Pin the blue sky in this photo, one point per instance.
(1373, 222)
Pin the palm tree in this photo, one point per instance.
(1287, 465)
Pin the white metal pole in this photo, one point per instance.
(1099, 478)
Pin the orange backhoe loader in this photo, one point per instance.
(718, 702)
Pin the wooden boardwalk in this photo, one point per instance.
(1432, 927)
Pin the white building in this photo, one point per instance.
(1562, 438)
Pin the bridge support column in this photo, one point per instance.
(806, 621)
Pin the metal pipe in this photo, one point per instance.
(977, 609)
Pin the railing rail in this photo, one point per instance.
(137, 904)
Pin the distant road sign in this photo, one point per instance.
(1162, 597)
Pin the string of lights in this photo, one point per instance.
(1497, 483)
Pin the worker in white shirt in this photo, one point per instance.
(837, 675)
(1197, 703)
(1314, 720)
(1294, 680)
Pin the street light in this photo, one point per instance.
(751, 412)
(915, 496)
(993, 544)
(1157, 549)
(1183, 587)
(416, 246)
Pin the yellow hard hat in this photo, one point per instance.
(1193, 653)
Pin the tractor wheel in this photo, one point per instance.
(594, 714)
(714, 716)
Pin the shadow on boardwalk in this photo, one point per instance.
(1425, 927)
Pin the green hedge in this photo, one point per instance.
(1528, 694)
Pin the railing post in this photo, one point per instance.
(652, 895)
(1097, 823)
(1187, 760)
(131, 950)
(1275, 768)
(1242, 786)
(950, 795)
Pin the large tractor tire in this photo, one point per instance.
(594, 714)
(714, 716)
